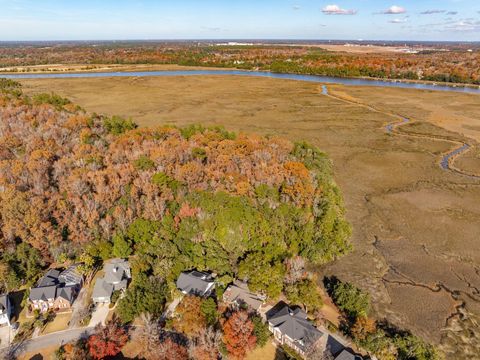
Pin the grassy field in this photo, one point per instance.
(416, 226)
(59, 323)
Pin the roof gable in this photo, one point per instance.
(43, 293)
(238, 292)
(49, 279)
(117, 270)
(195, 282)
(71, 276)
(295, 325)
(102, 289)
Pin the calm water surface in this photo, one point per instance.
(310, 78)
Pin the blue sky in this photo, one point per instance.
(240, 19)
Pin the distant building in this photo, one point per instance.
(56, 290)
(195, 283)
(239, 294)
(6, 309)
(117, 275)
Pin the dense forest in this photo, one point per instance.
(455, 66)
(80, 186)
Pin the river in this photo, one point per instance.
(298, 77)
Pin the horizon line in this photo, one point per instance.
(235, 39)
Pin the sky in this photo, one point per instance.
(455, 20)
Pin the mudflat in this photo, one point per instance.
(416, 226)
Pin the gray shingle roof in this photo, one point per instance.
(295, 325)
(71, 276)
(102, 289)
(117, 270)
(345, 355)
(195, 282)
(43, 293)
(238, 292)
(66, 293)
(49, 279)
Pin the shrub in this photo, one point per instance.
(52, 99)
(144, 163)
(117, 125)
(260, 330)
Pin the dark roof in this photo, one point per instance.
(49, 279)
(345, 355)
(102, 289)
(66, 293)
(334, 346)
(117, 270)
(43, 293)
(3, 303)
(295, 325)
(194, 282)
(239, 293)
(71, 276)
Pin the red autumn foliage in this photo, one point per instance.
(107, 341)
(239, 336)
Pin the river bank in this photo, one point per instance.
(103, 70)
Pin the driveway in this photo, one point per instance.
(6, 335)
(99, 315)
(171, 308)
(78, 307)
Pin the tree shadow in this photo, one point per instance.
(16, 299)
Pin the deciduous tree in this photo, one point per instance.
(238, 334)
(108, 340)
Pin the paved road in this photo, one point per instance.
(54, 339)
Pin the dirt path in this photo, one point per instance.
(447, 160)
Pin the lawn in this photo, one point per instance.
(46, 353)
(268, 352)
(58, 324)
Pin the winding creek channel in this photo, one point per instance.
(446, 162)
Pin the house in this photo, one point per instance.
(43, 298)
(195, 283)
(239, 294)
(6, 309)
(347, 355)
(71, 276)
(56, 290)
(117, 274)
(291, 327)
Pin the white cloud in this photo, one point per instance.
(466, 25)
(337, 10)
(452, 13)
(394, 9)
(398, 21)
